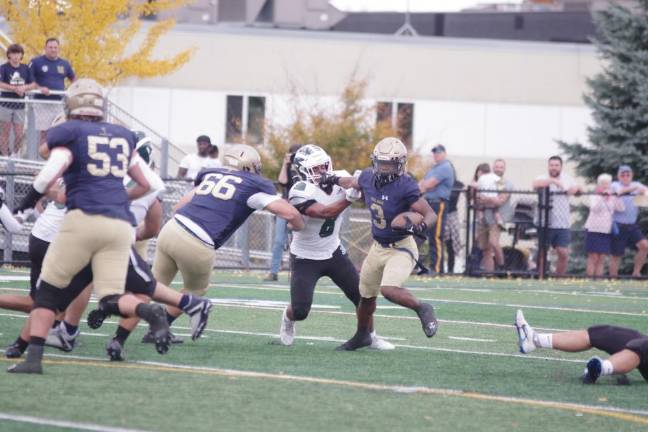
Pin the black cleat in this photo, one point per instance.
(14, 351)
(96, 318)
(428, 319)
(115, 350)
(359, 340)
(159, 327)
(26, 368)
(149, 338)
(593, 371)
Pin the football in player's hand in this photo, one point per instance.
(400, 221)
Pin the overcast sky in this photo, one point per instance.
(414, 5)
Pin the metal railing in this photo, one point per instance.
(22, 120)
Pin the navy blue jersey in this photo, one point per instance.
(51, 74)
(18, 76)
(220, 204)
(94, 180)
(387, 202)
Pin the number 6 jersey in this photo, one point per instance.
(320, 237)
(223, 200)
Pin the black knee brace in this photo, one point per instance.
(110, 305)
(48, 297)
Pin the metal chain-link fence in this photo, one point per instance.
(524, 243)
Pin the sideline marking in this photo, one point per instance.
(629, 415)
(471, 339)
(64, 423)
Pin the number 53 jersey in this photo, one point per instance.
(320, 237)
(223, 200)
(101, 156)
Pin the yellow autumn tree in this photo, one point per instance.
(347, 130)
(100, 38)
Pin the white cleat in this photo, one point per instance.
(287, 330)
(380, 344)
(525, 333)
(58, 337)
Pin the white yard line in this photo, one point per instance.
(471, 339)
(63, 423)
(629, 415)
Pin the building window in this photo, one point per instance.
(400, 116)
(245, 119)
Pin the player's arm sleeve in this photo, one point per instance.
(59, 160)
(260, 200)
(300, 197)
(8, 220)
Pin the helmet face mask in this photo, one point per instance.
(389, 160)
(311, 162)
(243, 157)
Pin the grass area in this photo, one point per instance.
(469, 376)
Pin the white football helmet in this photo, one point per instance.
(85, 98)
(309, 159)
(144, 147)
(389, 159)
(242, 157)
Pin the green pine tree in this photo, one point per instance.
(618, 98)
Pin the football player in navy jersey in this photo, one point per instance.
(209, 214)
(93, 156)
(388, 191)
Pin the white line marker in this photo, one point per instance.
(64, 423)
(471, 339)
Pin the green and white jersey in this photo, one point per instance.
(320, 237)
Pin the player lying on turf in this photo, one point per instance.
(221, 201)
(316, 250)
(93, 156)
(628, 348)
(148, 217)
(388, 191)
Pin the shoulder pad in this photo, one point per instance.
(301, 191)
(342, 173)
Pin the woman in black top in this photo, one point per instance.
(15, 80)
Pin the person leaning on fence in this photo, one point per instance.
(15, 80)
(485, 185)
(627, 232)
(286, 179)
(561, 185)
(437, 186)
(599, 225)
(49, 71)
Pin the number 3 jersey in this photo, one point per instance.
(223, 200)
(386, 202)
(320, 237)
(101, 157)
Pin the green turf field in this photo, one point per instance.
(468, 377)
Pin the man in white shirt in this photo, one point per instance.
(192, 163)
(561, 186)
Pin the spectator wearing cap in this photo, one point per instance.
(437, 187)
(625, 231)
(191, 164)
(15, 80)
(50, 72)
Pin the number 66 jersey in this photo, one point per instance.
(320, 237)
(223, 200)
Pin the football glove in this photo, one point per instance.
(327, 179)
(353, 195)
(417, 230)
(29, 201)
